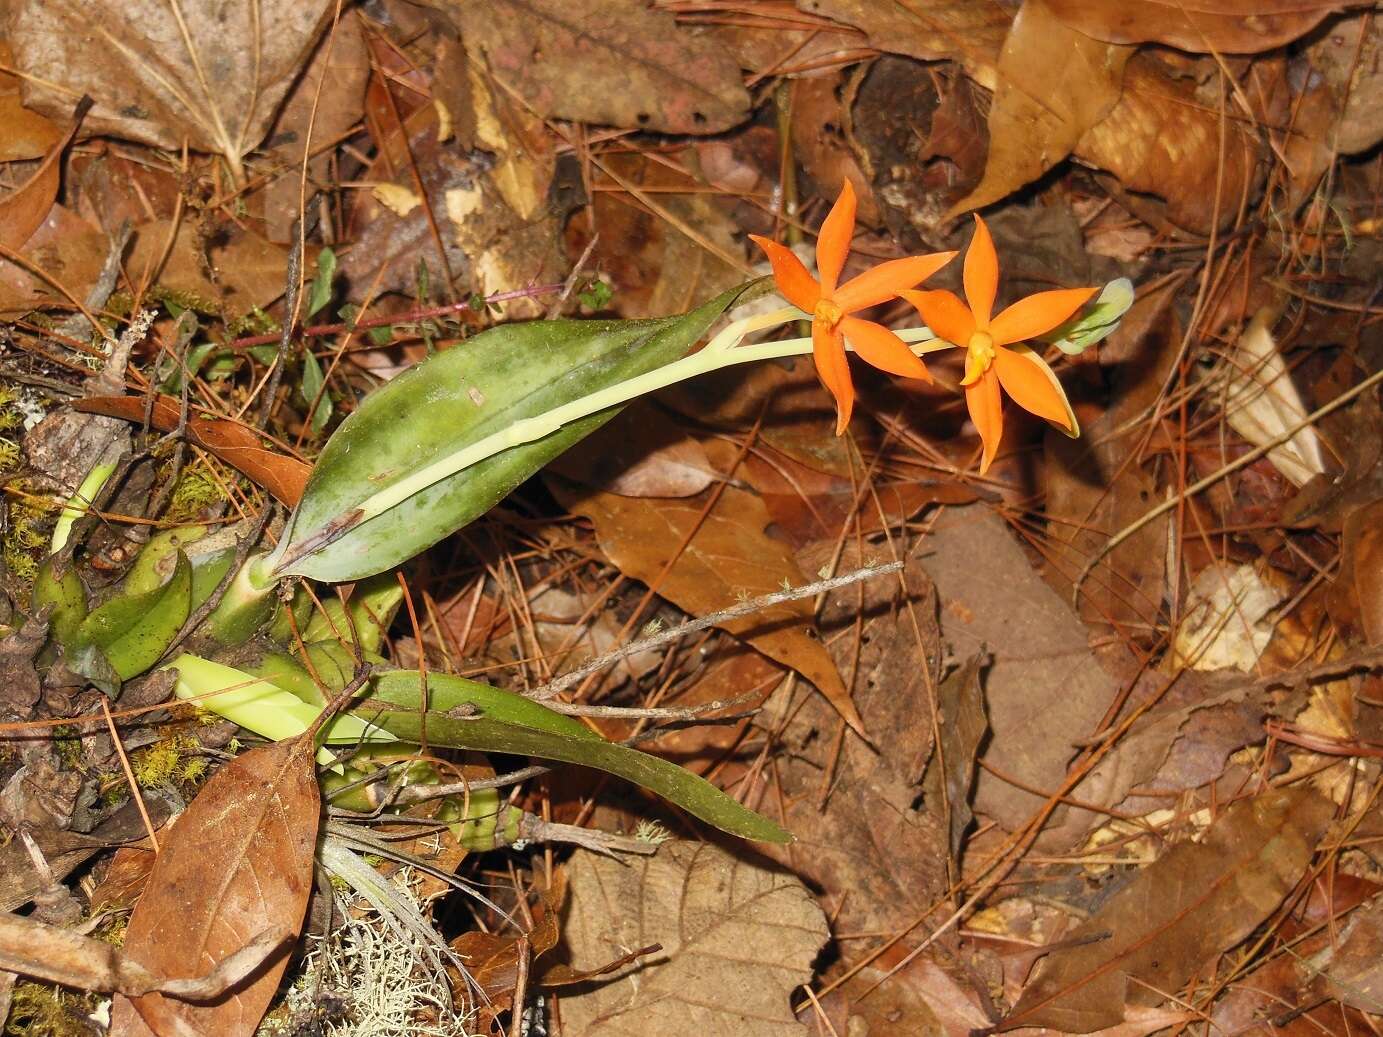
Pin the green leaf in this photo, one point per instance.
(397, 697)
(321, 284)
(313, 391)
(132, 631)
(596, 295)
(1096, 320)
(450, 401)
(446, 694)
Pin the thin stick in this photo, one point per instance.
(810, 590)
(129, 774)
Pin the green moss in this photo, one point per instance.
(39, 1010)
(174, 762)
(195, 491)
(256, 322)
(177, 300)
(67, 743)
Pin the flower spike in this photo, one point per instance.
(995, 354)
(831, 304)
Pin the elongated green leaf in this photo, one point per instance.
(132, 630)
(447, 694)
(453, 400)
(394, 708)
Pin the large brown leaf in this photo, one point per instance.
(1196, 901)
(206, 74)
(238, 861)
(729, 556)
(1054, 83)
(1044, 689)
(1202, 26)
(736, 939)
(616, 62)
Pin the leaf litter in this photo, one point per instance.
(1102, 758)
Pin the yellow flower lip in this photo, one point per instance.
(828, 313)
(979, 356)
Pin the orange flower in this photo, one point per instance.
(989, 363)
(831, 305)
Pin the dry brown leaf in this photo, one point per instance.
(238, 861)
(820, 115)
(106, 186)
(330, 97)
(922, 141)
(642, 453)
(231, 441)
(24, 209)
(1095, 487)
(249, 270)
(27, 133)
(943, 30)
(736, 939)
(1348, 59)
(20, 882)
(768, 48)
(389, 249)
(807, 504)
(861, 835)
(1161, 139)
(1354, 968)
(950, 775)
(1044, 690)
(614, 62)
(1356, 597)
(1196, 901)
(728, 557)
(654, 267)
(207, 75)
(1054, 83)
(1182, 742)
(1204, 27)
(492, 959)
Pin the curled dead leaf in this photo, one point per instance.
(238, 861)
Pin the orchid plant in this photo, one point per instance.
(444, 442)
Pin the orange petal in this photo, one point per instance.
(828, 350)
(981, 275)
(798, 286)
(1026, 377)
(833, 240)
(986, 411)
(883, 349)
(944, 313)
(886, 280)
(1037, 314)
